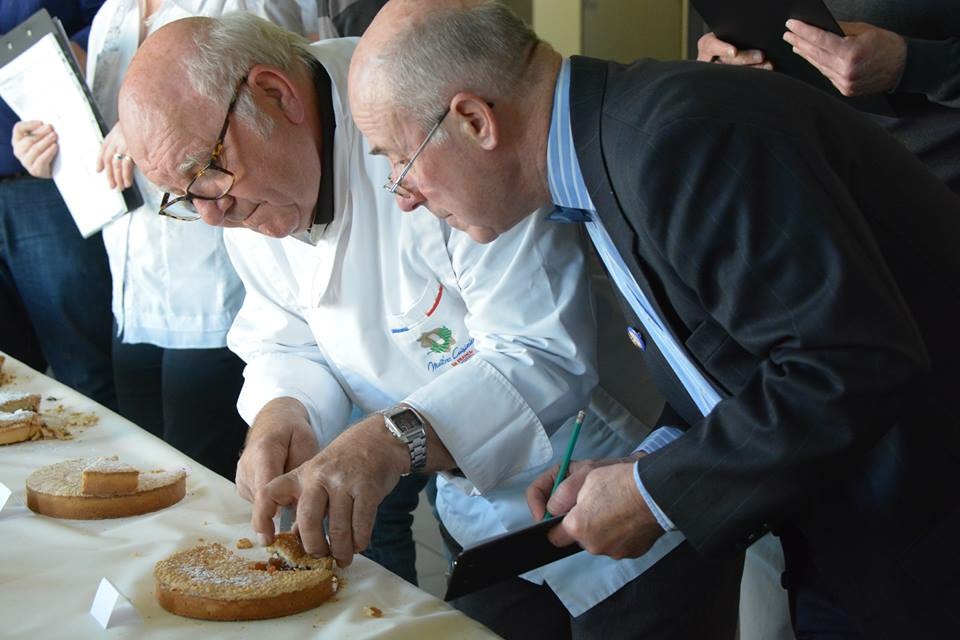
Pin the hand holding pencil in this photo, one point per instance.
(551, 487)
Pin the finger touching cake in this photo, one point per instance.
(96, 488)
(211, 582)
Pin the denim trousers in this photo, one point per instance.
(54, 289)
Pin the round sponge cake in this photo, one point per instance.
(57, 491)
(212, 583)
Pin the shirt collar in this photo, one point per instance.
(564, 178)
(323, 213)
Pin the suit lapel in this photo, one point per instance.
(588, 84)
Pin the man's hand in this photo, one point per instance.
(345, 483)
(610, 517)
(539, 499)
(279, 440)
(35, 146)
(710, 48)
(867, 60)
(113, 157)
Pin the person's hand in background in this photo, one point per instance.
(867, 60)
(710, 48)
(114, 159)
(35, 146)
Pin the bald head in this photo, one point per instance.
(417, 54)
(154, 97)
(464, 88)
(235, 95)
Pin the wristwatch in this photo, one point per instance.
(408, 427)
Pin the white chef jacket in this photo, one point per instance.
(494, 344)
(173, 285)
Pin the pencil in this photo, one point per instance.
(565, 463)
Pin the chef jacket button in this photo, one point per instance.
(636, 338)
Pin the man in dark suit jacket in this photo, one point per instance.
(788, 256)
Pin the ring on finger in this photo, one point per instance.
(118, 156)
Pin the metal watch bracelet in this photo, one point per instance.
(408, 426)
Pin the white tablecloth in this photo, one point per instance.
(50, 568)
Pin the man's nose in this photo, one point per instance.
(220, 212)
(410, 201)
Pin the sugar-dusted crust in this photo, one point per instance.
(109, 477)
(19, 426)
(212, 583)
(56, 491)
(14, 400)
(287, 547)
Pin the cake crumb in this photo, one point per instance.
(372, 612)
(244, 543)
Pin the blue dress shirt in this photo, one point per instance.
(569, 193)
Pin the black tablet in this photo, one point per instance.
(760, 24)
(499, 558)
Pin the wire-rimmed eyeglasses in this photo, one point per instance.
(396, 186)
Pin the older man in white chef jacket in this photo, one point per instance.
(470, 358)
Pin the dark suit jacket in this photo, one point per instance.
(811, 268)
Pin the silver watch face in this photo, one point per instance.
(407, 426)
(403, 423)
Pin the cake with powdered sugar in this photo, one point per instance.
(57, 490)
(211, 582)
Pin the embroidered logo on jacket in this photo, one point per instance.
(439, 340)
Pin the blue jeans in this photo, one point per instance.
(54, 289)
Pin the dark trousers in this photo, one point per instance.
(681, 597)
(818, 613)
(391, 544)
(188, 397)
(54, 290)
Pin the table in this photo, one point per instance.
(50, 568)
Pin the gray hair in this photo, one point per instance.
(480, 49)
(226, 52)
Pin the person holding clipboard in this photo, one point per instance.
(54, 284)
(907, 51)
(174, 291)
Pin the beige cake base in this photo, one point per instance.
(56, 491)
(210, 582)
(19, 426)
(19, 400)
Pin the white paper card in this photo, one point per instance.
(111, 609)
(4, 495)
(39, 84)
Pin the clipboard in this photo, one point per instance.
(759, 24)
(41, 80)
(505, 556)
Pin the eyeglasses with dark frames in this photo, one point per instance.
(212, 182)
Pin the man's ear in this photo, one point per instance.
(275, 86)
(476, 120)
